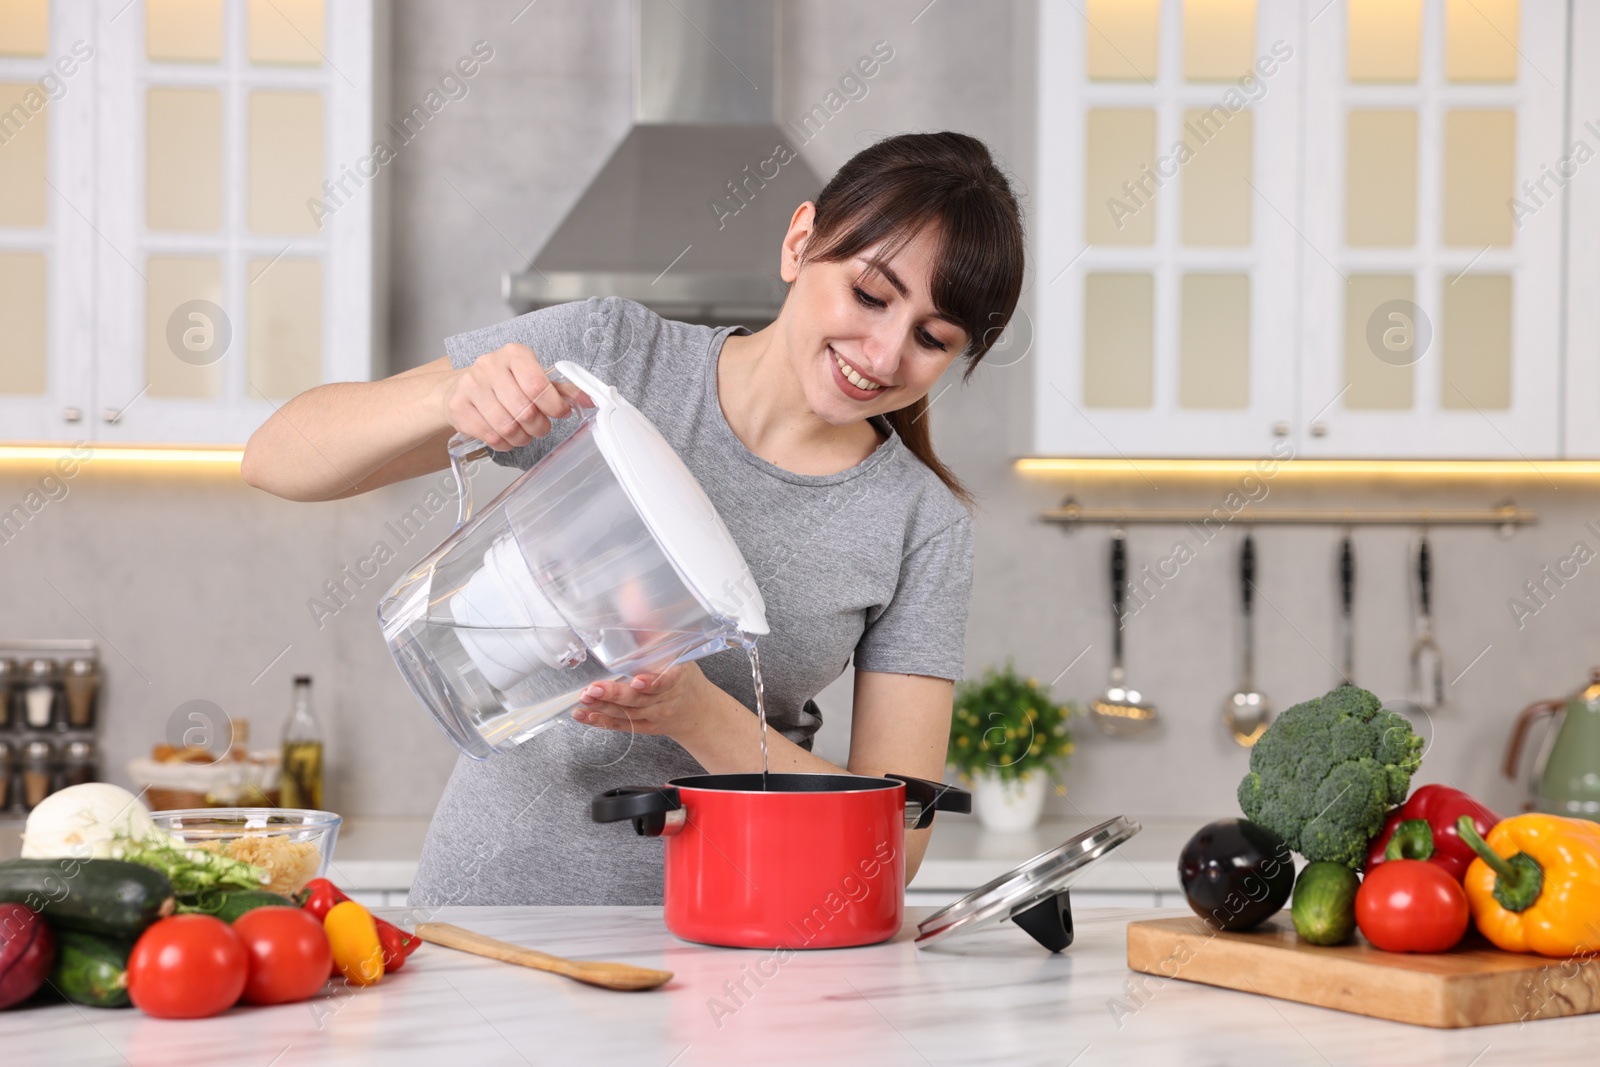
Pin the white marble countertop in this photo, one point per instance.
(992, 998)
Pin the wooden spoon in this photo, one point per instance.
(623, 976)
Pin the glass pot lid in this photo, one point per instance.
(1034, 895)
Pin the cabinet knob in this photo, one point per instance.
(72, 414)
(1319, 429)
(1280, 428)
(111, 416)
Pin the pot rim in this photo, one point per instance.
(702, 782)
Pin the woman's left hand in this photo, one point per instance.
(674, 703)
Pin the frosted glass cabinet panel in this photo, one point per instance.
(1219, 39)
(1119, 149)
(184, 31)
(1118, 341)
(1383, 40)
(24, 27)
(23, 299)
(1481, 40)
(1380, 178)
(1125, 43)
(183, 159)
(286, 169)
(24, 157)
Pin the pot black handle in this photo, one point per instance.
(933, 796)
(646, 805)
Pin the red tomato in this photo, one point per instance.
(289, 955)
(1411, 906)
(187, 967)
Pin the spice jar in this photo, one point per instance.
(9, 680)
(81, 683)
(80, 764)
(37, 760)
(40, 690)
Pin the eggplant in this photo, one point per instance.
(1236, 874)
(27, 949)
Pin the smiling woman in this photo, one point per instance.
(810, 439)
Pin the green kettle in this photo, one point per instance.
(1566, 774)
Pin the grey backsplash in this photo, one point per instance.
(194, 583)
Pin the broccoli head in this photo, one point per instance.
(1326, 772)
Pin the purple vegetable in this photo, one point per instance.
(27, 949)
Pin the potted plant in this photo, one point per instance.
(1006, 738)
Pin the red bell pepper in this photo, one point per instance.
(1424, 828)
(397, 945)
(320, 895)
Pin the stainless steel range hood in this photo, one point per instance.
(687, 215)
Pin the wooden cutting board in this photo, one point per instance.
(1474, 984)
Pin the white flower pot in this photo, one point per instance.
(1008, 807)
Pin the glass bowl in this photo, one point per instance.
(293, 845)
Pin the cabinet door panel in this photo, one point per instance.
(231, 296)
(1165, 248)
(1446, 345)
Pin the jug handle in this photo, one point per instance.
(463, 448)
(1519, 732)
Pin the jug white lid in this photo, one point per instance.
(673, 505)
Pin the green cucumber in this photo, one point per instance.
(1324, 903)
(229, 906)
(92, 970)
(110, 898)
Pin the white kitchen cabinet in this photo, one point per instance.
(198, 278)
(1218, 254)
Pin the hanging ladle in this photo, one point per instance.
(1247, 711)
(1120, 711)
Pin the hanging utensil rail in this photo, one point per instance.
(1507, 516)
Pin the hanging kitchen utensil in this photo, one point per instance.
(795, 861)
(1566, 774)
(1427, 662)
(1246, 711)
(1034, 895)
(623, 976)
(1347, 600)
(1120, 711)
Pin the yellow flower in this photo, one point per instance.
(963, 742)
(984, 745)
(1032, 714)
(1005, 761)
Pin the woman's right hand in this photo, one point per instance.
(505, 399)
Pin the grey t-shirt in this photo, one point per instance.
(873, 563)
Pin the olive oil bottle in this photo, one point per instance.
(301, 769)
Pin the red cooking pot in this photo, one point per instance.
(811, 861)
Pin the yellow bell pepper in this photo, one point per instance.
(353, 937)
(1535, 886)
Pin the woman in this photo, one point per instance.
(810, 440)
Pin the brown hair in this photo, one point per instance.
(895, 188)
